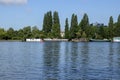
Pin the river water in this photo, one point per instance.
(59, 61)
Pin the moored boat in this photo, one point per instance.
(99, 40)
(34, 40)
(116, 39)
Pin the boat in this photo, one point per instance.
(34, 40)
(116, 39)
(99, 40)
(48, 39)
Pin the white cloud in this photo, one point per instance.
(13, 2)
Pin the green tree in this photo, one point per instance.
(66, 29)
(2, 34)
(110, 25)
(21, 34)
(78, 34)
(74, 27)
(42, 35)
(84, 24)
(35, 32)
(93, 32)
(56, 26)
(16, 35)
(101, 32)
(10, 33)
(84, 35)
(106, 32)
(117, 28)
(47, 23)
(27, 32)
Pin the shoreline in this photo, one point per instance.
(10, 40)
(59, 40)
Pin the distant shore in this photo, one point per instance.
(10, 40)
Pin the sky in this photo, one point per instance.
(21, 13)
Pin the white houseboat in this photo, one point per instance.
(116, 39)
(34, 40)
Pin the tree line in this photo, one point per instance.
(21, 34)
(79, 29)
(75, 30)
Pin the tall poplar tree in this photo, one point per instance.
(56, 26)
(110, 25)
(84, 24)
(47, 23)
(66, 29)
(117, 28)
(74, 26)
(49, 20)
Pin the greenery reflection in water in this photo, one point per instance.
(59, 61)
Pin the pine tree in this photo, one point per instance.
(56, 26)
(66, 29)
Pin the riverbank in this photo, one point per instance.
(10, 40)
(60, 40)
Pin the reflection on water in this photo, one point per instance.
(59, 61)
(51, 61)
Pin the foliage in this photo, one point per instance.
(84, 23)
(84, 35)
(117, 27)
(10, 33)
(74, 26)
(27, 32)
(51, 29)
(66, 29)
(51, 25)
(35, 32)
(2, 33)
(110, 25)
(56, 26)
(47, 23)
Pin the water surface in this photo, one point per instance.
(59, 61)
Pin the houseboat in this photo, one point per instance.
(99, 40)
(116, 39)
(34, 40)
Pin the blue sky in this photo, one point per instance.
(21, 13)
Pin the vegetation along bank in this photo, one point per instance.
(77, 30)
